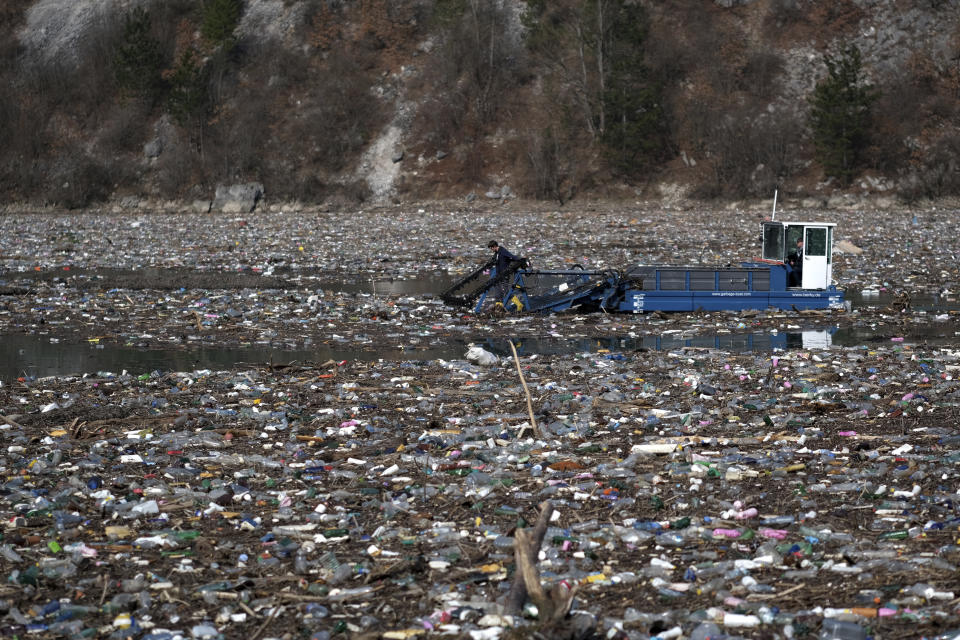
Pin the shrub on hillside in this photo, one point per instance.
(751, 155)
(179, 168)
(308, 187)
(123, 130)
(82, 181)
(784, 13)
(275, 66)
(356, 191)
(188, 100)
(220, 19)
(345, 115)
(440, 121)
(297, 149)
(760, 73)
(234, 144)
(595, 68)
(473, 71)
(553, 163)
(139, 59)
(22, 166)
(840, 115)
(9, 117)
(935, 172)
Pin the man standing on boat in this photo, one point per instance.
(503, 258)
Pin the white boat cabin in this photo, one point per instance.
(816, 257)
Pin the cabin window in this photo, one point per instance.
(793, 234)
(816, 244)
(773, 242)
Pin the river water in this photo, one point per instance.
(37, 356)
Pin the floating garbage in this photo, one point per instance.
(479, 355)
(617, 490)
(744, 509)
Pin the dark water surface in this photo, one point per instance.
(37, 356)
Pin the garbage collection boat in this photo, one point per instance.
(769, 282)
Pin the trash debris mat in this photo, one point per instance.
(689, 489)
(676, 493)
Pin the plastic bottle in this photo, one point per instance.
(706, 631)
(301, 565)
(777, 521)
(503, 542)
(833, 629)
(739, 620)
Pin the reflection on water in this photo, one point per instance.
(733, 342)
(432, 283)
(36, 356)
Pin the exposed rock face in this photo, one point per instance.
(277, 19)
(164, 133)
(237, 198)
(153, 148)
(379, 164)
(56, 29)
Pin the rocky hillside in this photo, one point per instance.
(336, 101)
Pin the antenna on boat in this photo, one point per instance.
(773, 216)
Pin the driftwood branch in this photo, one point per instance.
(10, 422)
(525, 550)
(553, 605)
(526, 391)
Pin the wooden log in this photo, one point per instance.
(531, 543)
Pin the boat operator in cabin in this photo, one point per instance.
(795, 260)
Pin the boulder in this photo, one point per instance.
(201, 206)
(237, 198)
(153, 148)
(164, 135)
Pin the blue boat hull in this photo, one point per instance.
(642, 301)
(640, 289)
(752, 285)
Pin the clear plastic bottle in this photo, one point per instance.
(833, 629)
(706, 631)
(503, 542)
